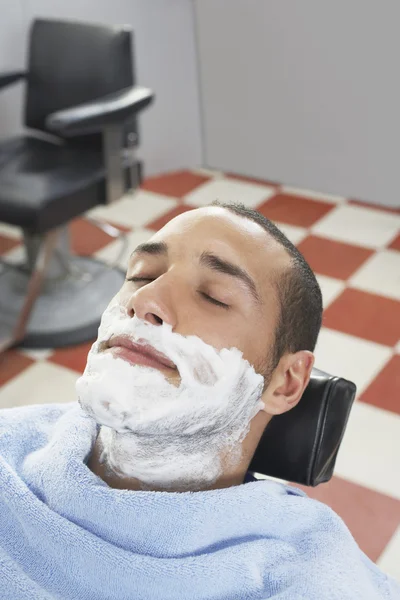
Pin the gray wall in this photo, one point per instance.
(165, 60)
(12, 54)
(306, 93)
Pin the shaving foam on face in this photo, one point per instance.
(164, 435)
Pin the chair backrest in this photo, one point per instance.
(73, 63)
(301, 445)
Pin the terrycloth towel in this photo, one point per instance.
(65, 534)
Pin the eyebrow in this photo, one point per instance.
(155, 248)
(214, 262)
(207, 259)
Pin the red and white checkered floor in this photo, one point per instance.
(355, 250)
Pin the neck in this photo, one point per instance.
(99, 467)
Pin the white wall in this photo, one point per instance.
(165, 60)
(306, 93)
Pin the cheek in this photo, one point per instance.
(248, 335)
(218, 333)
(256, 345)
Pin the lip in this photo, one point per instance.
(138, 353)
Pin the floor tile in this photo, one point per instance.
(369, 454)
(229, 190)
(256, 180)
(171, 214)
(41, 383)
(357, 225)
(10, 231)
(7, 244)
(389, 561)
(365, 315)
(293, 233)
(293, 191)
(330, 288)
(395, 244)
(109, 254)
(122, 228)
(380, 275)
(175, 184)
(211, 173)
(86, 238)
(294, 210)
(331, 258)
(384, 390)
(12, 363)
(350, 357)
(372, 517)
(73, 357)
(387, 209)
(134, 210)
(37, 354)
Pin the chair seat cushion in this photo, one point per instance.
(44, 184)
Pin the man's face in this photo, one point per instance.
(210, 273)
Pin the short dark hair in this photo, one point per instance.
(300, 297)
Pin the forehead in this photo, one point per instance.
(232, 237)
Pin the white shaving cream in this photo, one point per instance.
(165, 435)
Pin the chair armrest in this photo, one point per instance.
(94, 116)
(10, 77)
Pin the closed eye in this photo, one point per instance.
(139, 279)
(214, 301)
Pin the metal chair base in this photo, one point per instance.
(67, 310)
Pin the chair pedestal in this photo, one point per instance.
(73, 295)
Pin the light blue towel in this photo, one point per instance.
(65, 534)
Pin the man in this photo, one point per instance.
(138, 491)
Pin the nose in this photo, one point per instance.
(152, 303)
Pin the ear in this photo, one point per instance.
(288, 382)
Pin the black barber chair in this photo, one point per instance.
(80, 111)
(301, 445)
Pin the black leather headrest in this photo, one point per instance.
(301, 445)
(72, 63)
